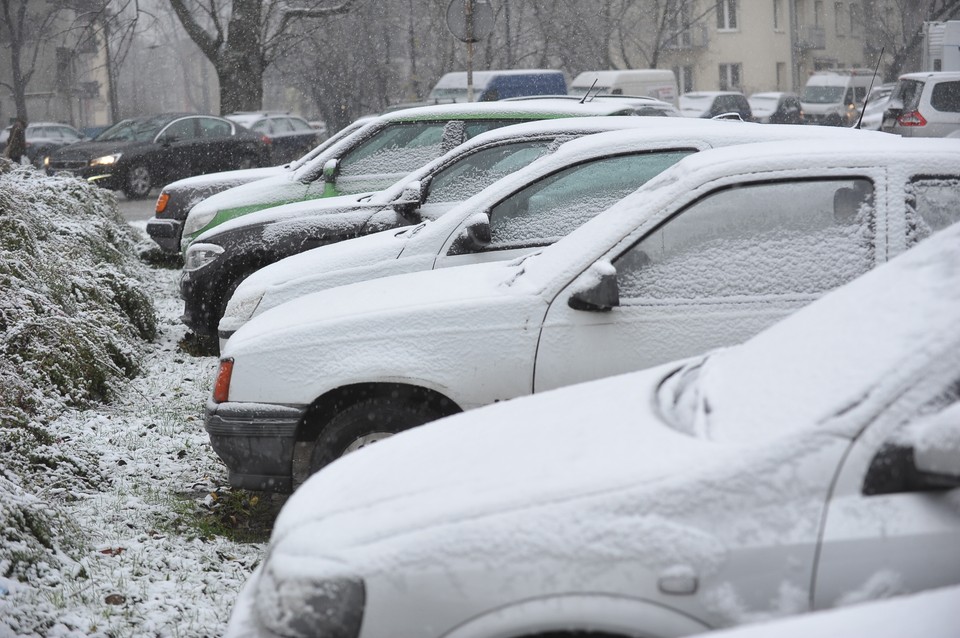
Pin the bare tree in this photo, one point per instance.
(897, 25)
(27, 27)
(242, 38)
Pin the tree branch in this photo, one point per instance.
(210, 45)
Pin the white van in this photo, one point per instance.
(657, 83)
(834, 97)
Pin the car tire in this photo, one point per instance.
(137, 183)
(365, 423)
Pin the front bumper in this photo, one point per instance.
(203, 295)
(100, 175)
(166, 233)
(256, 442)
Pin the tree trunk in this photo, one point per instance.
(239, 61)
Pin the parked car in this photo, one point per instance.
(222, 257)
(137, 154)
(177, 198)
(876, 105)
(715, 104)
(931, 614)
(776, 108)
(924, 105)
(695, 259)
(657, 83)
(43, 138)
(834, 98)
(814, 466)
(642, 104)
(385, 150)
(288, 136)
(580, 173)
(497, 84)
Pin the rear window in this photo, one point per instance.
(907, 94)
(933, 203)
(946, 97)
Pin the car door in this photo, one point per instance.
(885, 533)
(217, 148)
(727, 265)
(175, 155)
(550, 208)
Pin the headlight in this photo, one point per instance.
(106, 160)
(199, 255)
(197, 218)
(299, 601)
(241, 307)
(46, 161)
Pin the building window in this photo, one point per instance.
(726, 15)
(776, 16)
(781, 76)
(838, 18)
(730, 77)
(684, 78)
(818, 17)
(856, 20)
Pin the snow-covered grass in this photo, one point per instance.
(113, 516)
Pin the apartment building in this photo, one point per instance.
(764, 45)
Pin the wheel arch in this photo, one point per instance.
(323, 408)
(581, 616)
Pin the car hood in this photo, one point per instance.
(94, 149)
(224, 179)
(589, 471)
(276, 190)
(333, 310)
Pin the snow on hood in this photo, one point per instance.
(413, 291)
(226, 179)
(552, 476)
(281, 187)
(292, 211)
(842, 354)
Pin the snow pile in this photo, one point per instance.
(72, 310)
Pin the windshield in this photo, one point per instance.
(823, 94)
(138, 130)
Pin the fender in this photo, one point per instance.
(597, 613)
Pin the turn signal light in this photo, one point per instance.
(911, 118)
(221, 387)
(265, 139)
(162, 202)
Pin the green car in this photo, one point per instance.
(379, 154)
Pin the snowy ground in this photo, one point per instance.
(142, 564)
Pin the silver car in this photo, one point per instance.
(924, 105)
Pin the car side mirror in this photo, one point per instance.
(601, 292)
(331, 168)
(409, 200)
(927, 460)
(474, 237)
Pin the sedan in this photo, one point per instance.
(289, 136)
(137, 154)
(45, 137)
(814, 466)
(776, 108)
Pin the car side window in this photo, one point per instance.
(770, 238)
(181, 130)
(471, 174)
(281, 125)
(210, 127)
(933, 203)
(400, 147)
(554, 206)
(299, 125)
(262, 126)
(472, 128)
(945, 97)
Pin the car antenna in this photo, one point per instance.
(866, 98)
(585, 95)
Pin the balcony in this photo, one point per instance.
(809, 37)
(694, 37)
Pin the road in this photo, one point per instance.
(137, 210)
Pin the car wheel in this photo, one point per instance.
(137, 184)
(364, 423)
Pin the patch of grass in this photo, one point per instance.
(237, 515)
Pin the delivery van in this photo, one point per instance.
(489, 86)
(657, 83)
(834, 98)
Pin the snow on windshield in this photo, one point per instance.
(475, 172)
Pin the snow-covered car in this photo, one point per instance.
(931, 614)
(177, 198)
(220, 258)
(589, 173)
(382, 152)
(776, 108)
(876, 105)
(814, 466)
(706, 254)
(714, 104)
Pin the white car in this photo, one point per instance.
(557, 194)
(814, 466)
(706, 254)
